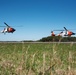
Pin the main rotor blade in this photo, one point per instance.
(58, 30)
(6, 24)
(12, 26)
(65, 29)
(2, 26)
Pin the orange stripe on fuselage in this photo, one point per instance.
(69, 33)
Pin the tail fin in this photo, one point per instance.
(52, 33)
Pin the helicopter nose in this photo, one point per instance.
(73, 33)
(14, 30)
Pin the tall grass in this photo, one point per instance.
(37, 59)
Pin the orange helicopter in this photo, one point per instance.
(7, 29)
(64, 32)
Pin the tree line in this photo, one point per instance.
(57, 39)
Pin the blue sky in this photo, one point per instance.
(37, 17)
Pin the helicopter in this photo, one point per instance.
(64, 32)
(7, 29)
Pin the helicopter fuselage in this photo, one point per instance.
(10, 30)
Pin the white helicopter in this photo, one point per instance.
(7, 29)
(64, 32)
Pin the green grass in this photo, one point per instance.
(37, 59)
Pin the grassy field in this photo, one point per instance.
(37, 59)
